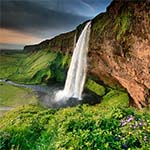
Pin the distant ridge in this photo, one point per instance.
(3, 51)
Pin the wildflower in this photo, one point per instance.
(123, 124)
(136, 124)
(130, 118)
(134, 127)
(145, 137)
(122, 121)
(140, 124)
(125, 146)
(130, 133)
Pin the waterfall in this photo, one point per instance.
(74, 41)
(76, 75)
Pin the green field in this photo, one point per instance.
(12, 96)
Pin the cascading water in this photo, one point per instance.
(76, 75)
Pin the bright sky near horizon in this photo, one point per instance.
(24, 22)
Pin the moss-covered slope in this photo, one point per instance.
(34, 68)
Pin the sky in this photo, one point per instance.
(27, 22)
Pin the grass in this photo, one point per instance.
(81, 127)
(32, 64)
(9, 64)
(12, 96)
(95, 87)
(34, 68)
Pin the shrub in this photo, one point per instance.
(81, 127)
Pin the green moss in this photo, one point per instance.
(42, 75)
(34, 63)
(59, 67)
(116, 98)
(95, 87)
(100, 22)
(122, 23)
(66, 60)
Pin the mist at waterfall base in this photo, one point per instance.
(46, 95)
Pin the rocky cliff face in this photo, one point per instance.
(120, 46)
(119, 49)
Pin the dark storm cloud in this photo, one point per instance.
(31, 21)
(32, 17)
(46, 18)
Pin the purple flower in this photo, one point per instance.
(134, 127)
(136, 124)
(140, 124)
(122, 121)
(125, 146)
(123, 124)
(130, 118)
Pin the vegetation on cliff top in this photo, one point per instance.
(109, 125)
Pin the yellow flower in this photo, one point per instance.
(130, 132)
(71, 148)
(148, 130)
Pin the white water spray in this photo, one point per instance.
(76, 75)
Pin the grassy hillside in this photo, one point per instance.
(106, 126)
(9, 64)
(34, 68)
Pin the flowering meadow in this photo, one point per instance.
(111, 125)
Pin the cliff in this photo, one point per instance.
(119, 48)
